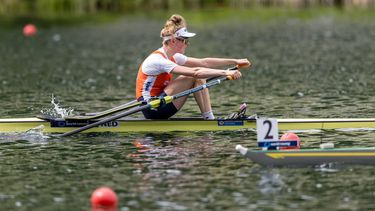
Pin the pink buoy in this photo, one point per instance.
(29, 30)
(289, 136)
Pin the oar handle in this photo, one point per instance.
(234, 68)
(237, 67)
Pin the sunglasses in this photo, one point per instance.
(184, 40)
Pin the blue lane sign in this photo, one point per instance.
(273, 144)
(230, 122)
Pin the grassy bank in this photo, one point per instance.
(262, 14)
(199, 17)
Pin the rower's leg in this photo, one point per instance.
(180, 84)
(203, 99)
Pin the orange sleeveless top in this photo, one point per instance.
(152, 85)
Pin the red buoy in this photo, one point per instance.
(289, 136)
(29, 30)
(104, 199)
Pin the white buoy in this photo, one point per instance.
(328, 145)
(241, 149)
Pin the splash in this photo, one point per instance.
(34, 135)
(56, 111)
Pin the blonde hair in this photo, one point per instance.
(173, 24)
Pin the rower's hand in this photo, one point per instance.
(234, 75)
(242, 63)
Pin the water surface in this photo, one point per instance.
(316, 68)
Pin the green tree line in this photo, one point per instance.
(31, 7)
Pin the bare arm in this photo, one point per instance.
(215, 62)
(202, 72)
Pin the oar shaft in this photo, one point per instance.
(210, 83)
(130, 104)
(103, 121)
(199, 88)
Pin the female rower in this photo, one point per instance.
(155, 73)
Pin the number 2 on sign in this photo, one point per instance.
(268, 135)
(267, 130)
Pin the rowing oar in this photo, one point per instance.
(117, 109)
(152, 104)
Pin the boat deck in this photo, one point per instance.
(180, 124)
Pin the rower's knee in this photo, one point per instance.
(187, 78)
(199, 82)
(193, 81)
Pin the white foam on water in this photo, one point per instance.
(355, 129)
(33, 135)
(306, 131)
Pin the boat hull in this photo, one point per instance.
(182, 124)
(298, 158)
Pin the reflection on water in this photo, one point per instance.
(175, 171)
(318, 68)
(270, 183)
